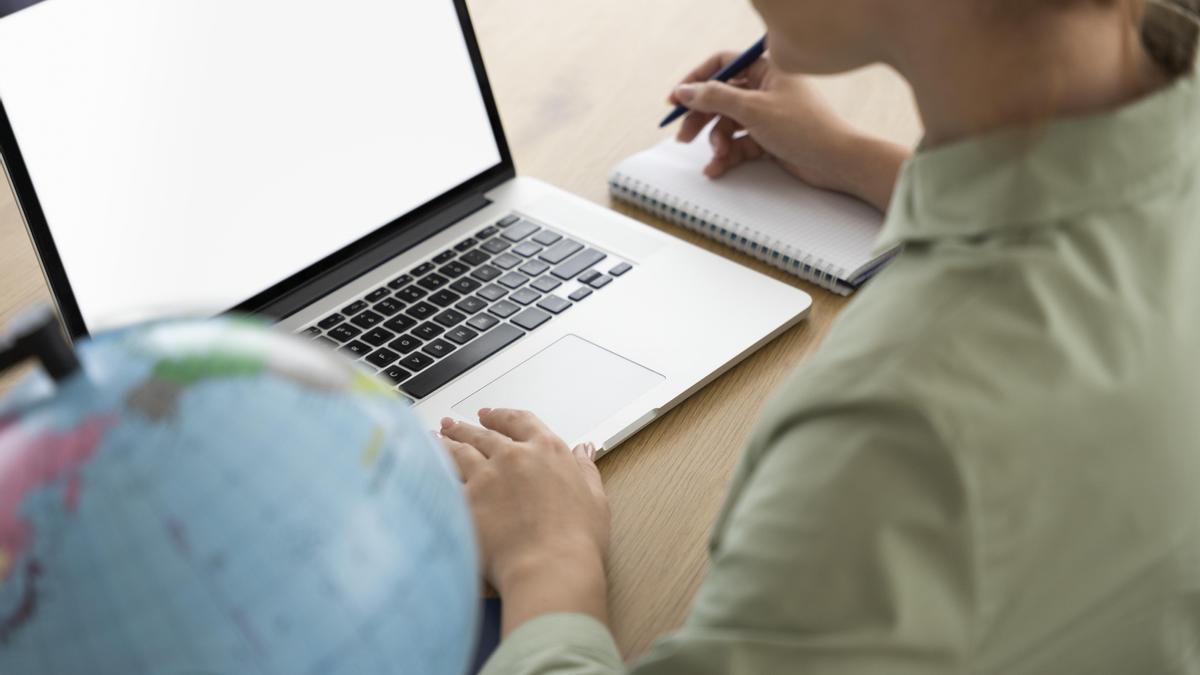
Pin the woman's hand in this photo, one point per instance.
(540, 512)
(765, 112)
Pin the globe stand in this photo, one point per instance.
(37, 333)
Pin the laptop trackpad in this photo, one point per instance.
(573, 385)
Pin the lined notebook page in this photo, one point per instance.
(761, 202)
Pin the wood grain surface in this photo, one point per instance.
(580, 85)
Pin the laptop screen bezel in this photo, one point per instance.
(350, 261)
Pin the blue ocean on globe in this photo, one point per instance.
(214, 497)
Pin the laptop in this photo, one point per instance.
(341, 168)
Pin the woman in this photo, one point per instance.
(999, 469)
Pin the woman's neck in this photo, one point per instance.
(1008, 74)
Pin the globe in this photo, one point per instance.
(214, 497)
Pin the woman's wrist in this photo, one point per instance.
(568, 579)
(865, 167)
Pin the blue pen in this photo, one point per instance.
(727, 73)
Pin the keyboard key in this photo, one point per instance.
(513, 280)
(433, 282)
(326, 342)
(525, 296)
(546, 237)
(428, 331)
(506, 261)
(554, 304)
(411, 294)
(519, 231)
(546, 284)
(356, 348)
(620, 269)
(438, 348)
(414, 362)
(531, 318)
(454, 270)
(492, 293)
(378, 294)
(465, 286)
(580, 294)
(396, 374)
(495, 246)
(344, 333)
(354, 308)
(578, 263)
(388, 307)
(586, 277)
(423, 269)
(504, 309)
(367, 319)
(461, 336)
(400, 282)
(474, 257)
(486, 233)
(405, 344)
(444, 298)
(483, 322)
(378, 337)
(311, 332)
(486, 273)
(534, 268)
(443, 257)
(470, 305)
(465, 244)
(331, 321)
(399, 324)
(601, 281)
(507, 220)
(461, 361)
(561, 251)
(421, 310)
(527, 249)
(382, 358)
(450, 318)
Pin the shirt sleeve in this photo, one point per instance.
(845, 548)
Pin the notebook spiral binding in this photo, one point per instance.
(719, 228)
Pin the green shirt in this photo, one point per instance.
(993, 463)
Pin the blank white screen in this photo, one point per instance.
(190, 154)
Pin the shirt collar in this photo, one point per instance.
(1021, 179)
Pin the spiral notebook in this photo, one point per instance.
(758, 208)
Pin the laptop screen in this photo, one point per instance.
(190, 154)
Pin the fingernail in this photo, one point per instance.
(447, 422)
(485, 411)
(685, 93)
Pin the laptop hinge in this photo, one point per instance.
(330, 281)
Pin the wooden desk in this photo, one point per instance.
(580, 85)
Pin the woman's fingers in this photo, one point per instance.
(486, 442)
(743, 149)
(466, 458)
(705, 70)
(721, 136)
(709, 99)
(585, 455)
(519, 425)
(693, 123)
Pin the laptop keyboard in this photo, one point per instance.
(454, 311)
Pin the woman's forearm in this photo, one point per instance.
(867, 167)
(566, 583)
